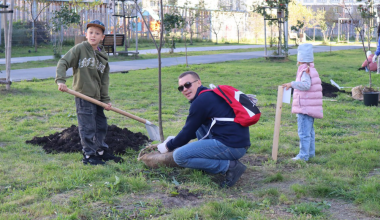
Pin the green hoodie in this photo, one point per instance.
(90, 71)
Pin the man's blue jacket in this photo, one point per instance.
(203, 108)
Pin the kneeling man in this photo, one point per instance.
(217, 150)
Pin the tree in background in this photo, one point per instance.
(238, 18)
(36, 8)
(81, 6)
(217, 23)
(266, 9)
(327, 25)
(173, 22)
(300, 13)
(256, 25)
(318, 16)
(196, 17)
(61, 20)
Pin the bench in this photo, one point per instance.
(134, 54)
(108, 42)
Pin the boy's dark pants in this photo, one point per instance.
(92, 126)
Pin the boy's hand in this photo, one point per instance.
(62, 87)
(109, 105)
(287, 85)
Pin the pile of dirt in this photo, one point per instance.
(68, 140)
(329, 90)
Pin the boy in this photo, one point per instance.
(90, 77)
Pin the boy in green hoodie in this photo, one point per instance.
(91, 78)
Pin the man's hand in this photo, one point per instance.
(162, 148)
(62, 87)
(374, 58)
(287, 85)
(109, 105)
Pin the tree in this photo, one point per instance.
(172, 22)
(300, 13)
(196, 17)
(327, 25)
(36, 8)
(217, 23)
(282, 9)
(158, 47)
(81, 6)
(61, 20)
(256, 24)
(318, 16)
(238, 19)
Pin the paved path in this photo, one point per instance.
(121, 66)
(149, 51)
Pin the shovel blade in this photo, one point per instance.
(153, 132)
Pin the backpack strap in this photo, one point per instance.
(213, 123)
(215, 119)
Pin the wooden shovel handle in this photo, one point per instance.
(104, 105)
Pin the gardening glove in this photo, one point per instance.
(162, 148)
(374, 58)
(252, 98)
(169, 138)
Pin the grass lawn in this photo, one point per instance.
(341, 182)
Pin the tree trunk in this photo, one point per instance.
(191, 38)
(35, 37)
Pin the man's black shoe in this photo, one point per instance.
(233, 174)
(92, 160)
(106, 155)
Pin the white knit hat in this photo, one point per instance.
(369, 53)
(305, 53)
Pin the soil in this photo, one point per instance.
(68, 141)
(329, 90)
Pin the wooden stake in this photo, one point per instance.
(8, 46)
(277, 123)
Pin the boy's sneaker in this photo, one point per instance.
(106, 155)
(92, 160)
(233, 174)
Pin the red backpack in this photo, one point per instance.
(246, 112)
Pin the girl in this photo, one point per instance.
(307, 100)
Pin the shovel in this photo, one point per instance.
(337, 86)
(153, 132)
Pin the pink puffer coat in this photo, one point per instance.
(308, 102)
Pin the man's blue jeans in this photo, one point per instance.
(307, 137)
(208, 154)
(92, 126)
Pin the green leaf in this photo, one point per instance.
(117, 181)
(173, 194)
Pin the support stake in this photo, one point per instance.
(277, 123)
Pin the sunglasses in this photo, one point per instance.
(187, 85)
(96, 22)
